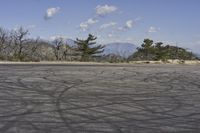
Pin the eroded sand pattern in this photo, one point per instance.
(99, 99)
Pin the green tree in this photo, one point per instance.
(88, 48)
(150, 51)
(159, 51)
(147, 47)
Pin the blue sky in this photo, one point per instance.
(171, 21)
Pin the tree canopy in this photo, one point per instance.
(159, 51)
(88, 47)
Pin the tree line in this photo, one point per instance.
(16, 45)
(158, 51)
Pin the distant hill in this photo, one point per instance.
(120, 49)
(161, 52)
(71, 42)
(117, 48)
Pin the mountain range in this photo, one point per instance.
(116, 48)
(120, 49)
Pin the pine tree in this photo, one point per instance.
(87, 47)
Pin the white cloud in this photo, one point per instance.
(104, 10)
(129, 24)
(198, 42)
(50, 12)
(153, 29)
(85, 25)
(91, 21)
(111, 24)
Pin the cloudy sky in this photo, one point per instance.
(171, 21)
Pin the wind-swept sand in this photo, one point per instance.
(60, 98)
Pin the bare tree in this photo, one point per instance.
(4, 41)
(66, 52)
(57, 46)
(19, 38)
(31, 49)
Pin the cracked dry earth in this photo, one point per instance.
(99, 99)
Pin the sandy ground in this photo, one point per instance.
(53, 98)
(175, 62)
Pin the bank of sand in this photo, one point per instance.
(175, 62)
